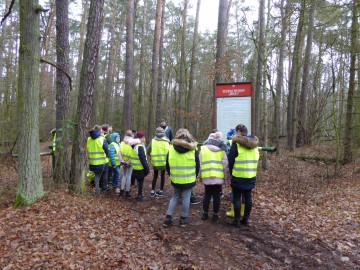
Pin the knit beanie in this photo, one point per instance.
(140, 134)
(159, 132)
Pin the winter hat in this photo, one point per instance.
(230, 133)
(140, 134)
(159, 132)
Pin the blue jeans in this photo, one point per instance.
(185, 201)
(116, 177)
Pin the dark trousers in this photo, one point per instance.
(162, 183)
(139, 176)
(214, 192)
(247, 199)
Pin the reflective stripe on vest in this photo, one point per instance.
(182, 166)
(125, 150)
(117, 149)
(54, 143)
(135, 161)
(96, 153)
(211, 165)
(246, 162)
(159, 151)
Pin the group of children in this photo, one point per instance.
(123, 162)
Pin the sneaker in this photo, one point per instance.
(127, 194)
(167, 222)
(183, 222)
(205, 216)
(195, 200)
(159, 193)
(117, 191)
(215, 217)
(139, 198)
(121, 193)
(152, 193)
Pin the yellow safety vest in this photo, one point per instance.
(117, 149)
(182, 166)
(135, 161)
(96, 153)
(211, 163)
(125, 150)
(246, 162)
(54, 143)
(159, 151)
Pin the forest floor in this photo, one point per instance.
(304, 217)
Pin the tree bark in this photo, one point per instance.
(192, 67)
(62, 164)
(294, 81)
(129, 67)
(155, 67)
(348, 153)
(86, 91)
(30, 187)
(303, 135)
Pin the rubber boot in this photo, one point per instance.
(242, 209)
(247, 211)
(231, 212)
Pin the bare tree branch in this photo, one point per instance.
(56, 66)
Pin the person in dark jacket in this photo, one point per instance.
(243, 161)
(140, 164)
(168, 131)
(183, 165)
(97, 149)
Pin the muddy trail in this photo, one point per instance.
(294, 225)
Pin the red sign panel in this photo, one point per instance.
(233, 90)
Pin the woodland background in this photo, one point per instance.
(130, 64)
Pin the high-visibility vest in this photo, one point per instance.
(117, 150)
(135, 161)
(96, 153)
(54, 143)
(159, 151)
(229, 142)
(211, 163)
(246, 162)
(125, 150)
(182, 166)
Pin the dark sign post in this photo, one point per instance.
(234, 105)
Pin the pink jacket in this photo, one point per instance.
(224, 161)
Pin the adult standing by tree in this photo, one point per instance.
(243, 162)
(167, 129)
(30, 187)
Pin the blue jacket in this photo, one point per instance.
(112, 151)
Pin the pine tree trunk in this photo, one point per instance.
(190, 122)
(88, 79)
(30, 187)
(294, 81)
(159, 103)
(62, 164)
(129, 67)
(348, 154)
(303, 134)
(155, 67)
(259, 69)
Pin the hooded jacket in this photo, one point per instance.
(99, 168)
(224, 161)
(249, 142)
(182, 146)
(112, 150)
